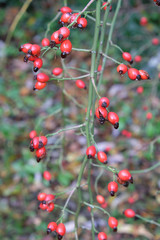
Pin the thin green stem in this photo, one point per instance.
(116, 46)
(73, 99)
(104, 55)
(146, 170)
(97, 179)
(81, 50)
(94, 206)
(50, 23)
(78, 69)
(71, 78)
(148, 220)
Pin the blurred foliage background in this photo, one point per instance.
(22, 110)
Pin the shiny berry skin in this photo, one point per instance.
(41, 196)
(36, 143)
(47, 176)
(129, 213)
(38, 63)
(155, 41)
(100, 199)
(80, 84)
(127, 56)
(113, 223)
(73, 17)
(40, 153)
(137, 58)
(104, 102)
(102, 157)
(66, 48)
(52, 226)
(41, 77)
(65, 18)
(30, 58)
(25, 47)
(102, 236)
(66, 9)
(105, 6)
(134, 74)
(143, 21)
(43, 139)
(39, 86)
(49, 198)
(64, 32)
(82, 23)
(122, 69)
(61, 229)
(57, 71)
(112, 188)
(50, 207)
(43, 206)
(149, 115)
(91, 152)
(140, 90)
(35, 50)
(55, 39)
(125, 175)
(144, 75)
(45, 42)
(101, 112)
(113, 119)
(32, 134)
(99, 68)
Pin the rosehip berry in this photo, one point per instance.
(91, 152)
(61, 230)
(45, 42)
(66, 9)
(122, 69)
(47, 175)
(106, 6)
(113, 119)
(40, 153)
(43, 206)
(134, 74)
(65, 18)
(113, 223)
(36, 144)
(57, 71)
(32, 134)
(144, 75)
(55, 39)
(38, 63)
(143, 21)
(138, 58)
(52, 226)
(64, 32)
(35, 50)
(149, 115)
(127, 56)
(41, 196)
(49, 198)
(104, 205)
(82, 23)
(131, 200)
(99, 68)
(25, 47)
(80, 84)
(112, 188)
(66, 48)
(89, 209)
(140, 90)
(129, 213)
(39, 86)
(41, 77)
(155, 41)
(73, 17)
(125, 175)
(101, 112)
(157, 2)
(100, 199)
(124, 183)
(102, 236)
(104, 102)
(43, 140)
(102, 157)
(50, 207)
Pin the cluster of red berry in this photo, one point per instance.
(157, 2)
(46, 201)
(59, 229)
(38, 143)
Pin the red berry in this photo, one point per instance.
(57, 71)
(159, 75)
(65, 18)
(41, 196)
(61, 230)
(89, 209)
(155, 41)
(80, 84)
(47, 175)
(43, 206)
(113, 223)
(64, 32)
(41, 77)
(104, 102)
(131, 200)
(35, 142)
(43, 139)
(140, 89)
(149, 115)
(125, 175)
(101, 112)
(144, 75)
(82, 23)
(104, 205)
(49, 198)
(55, 39)
(99, 68)
(30, 58)
(52, 226)
(113, 119)
(143, 21)
(38, 63)
(112, 188)
(122, 69)
(100, 199)
(91, 152)
(134, 74)
(157, 2)
(50, 207)
(138, 58)
(39, 86)
(35, 50)
(129, 213)
(32, 134)
(25, 47)
(40, 153)
(66, 9)
(105, 6)
(66, 48)
(127, 56)
(102, 236)
(102, 157)
(73, 17)
(45, 42)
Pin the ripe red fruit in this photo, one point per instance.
(112, 188)
(138, 58)
(134, 74)
(64, 32)
(47, 175)
(40, 153)
(32, 134)
(43, 206)
(41, 77)
(113, 119)
(39, 86)
(52, 226)
(125, 175)
(144, 75)
(57, 71)
(66, 48)
(104, 205)
(140, 89)
(38, 63)
(55, 39)
(82, 23)
(50, 207)
(73, 17)
(100, 199)
(149, 115)
(99, 68)
(102, 236)
(105, 6)
(36, 144)
(41, 196)
(25, 47)
(35, 50)
(43, 140)
(155, 41)
(30, 58)
(131, 200)
(104, 102)
(45, 42)
(65, 18)
(91, 152)
(129, 213)
(143, 21)
(157, 2)
(127, 56)
(66, 9)
(49, 198)
(113, 223)
(101, 113)
(80, 84)
(122, 69)
(61, 230)
(102, 157)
